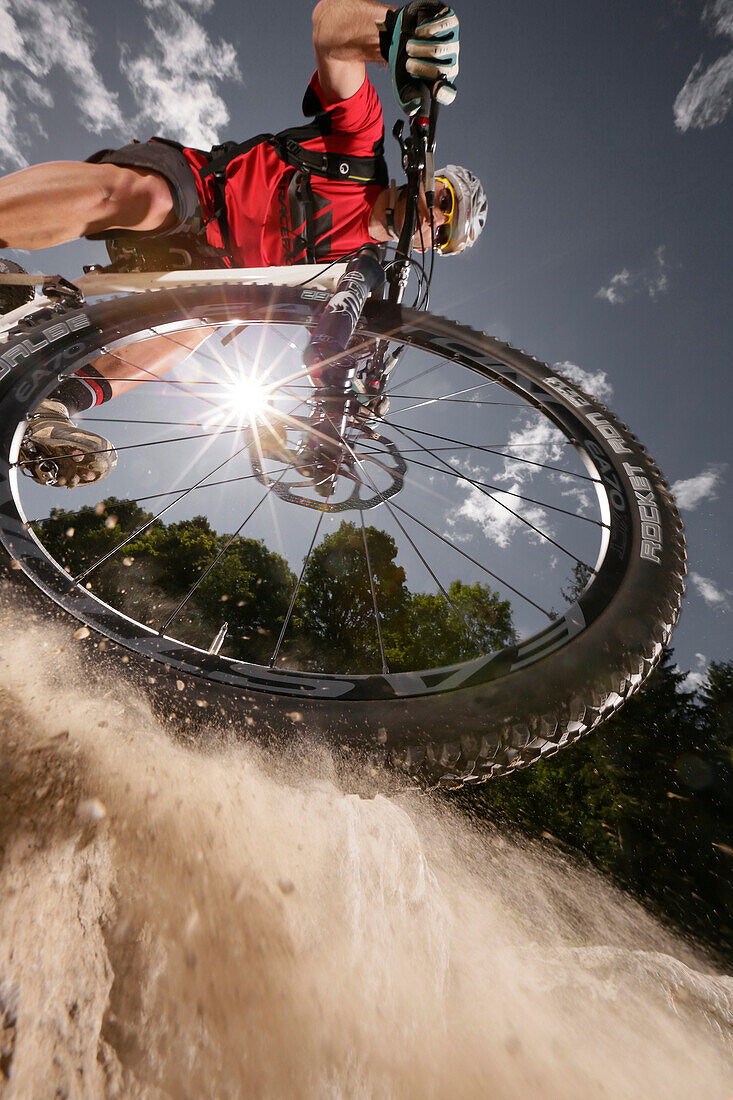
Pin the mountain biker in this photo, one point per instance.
(250, 207)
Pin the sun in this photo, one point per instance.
(247, 398)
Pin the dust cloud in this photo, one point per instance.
(221, 921)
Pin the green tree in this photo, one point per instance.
(645, 798)
(336, 607)
(432, 633)
(249, 587)
(419, 630)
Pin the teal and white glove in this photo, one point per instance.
(420, 44)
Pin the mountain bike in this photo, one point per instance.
(437, 550)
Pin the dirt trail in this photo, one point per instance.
(179, 923)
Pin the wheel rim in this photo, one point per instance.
(495, 489)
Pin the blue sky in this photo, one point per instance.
(602, 133)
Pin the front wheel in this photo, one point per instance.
(489, 570)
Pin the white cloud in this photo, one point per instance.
(710, 592)
(651, 281)
(39, 37)
(707, 94)
(593, 382)
(694, 490)
(696, 676)
(175, 81)
(499, 514)
(502, 514)
(536, 441)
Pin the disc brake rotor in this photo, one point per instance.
(361, 474)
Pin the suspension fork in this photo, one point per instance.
(330, 367)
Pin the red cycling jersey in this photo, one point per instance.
(258, 209)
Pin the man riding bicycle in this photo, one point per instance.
(307, 195)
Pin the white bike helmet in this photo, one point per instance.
(468, 215)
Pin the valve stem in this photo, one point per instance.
(218, 641)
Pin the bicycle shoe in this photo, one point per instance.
(57, 452)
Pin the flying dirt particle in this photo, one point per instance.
(295, 716)
(99, 509)
(194, 920)
(82, 632)
(224, 598)
(91, 809)
(110, 523)
(127, 561)
(723, 848)
(69, 532)
(180, 685)
(201, 703)
(15, 564)
(382, 735)
(286, 885)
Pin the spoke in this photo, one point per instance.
(144, 526)
(158, 496)
(385, 669)
(294, 597)
(148, 443)
(420, 374)
(472, 447)
(216, 559)
(422, 401)
(463, 553)
(158, 378)
(448, 469)
(154, 423)
(390, 509)
(434, 400)
(447, 399)
(180, 383)
(491, 450)
(511, 511)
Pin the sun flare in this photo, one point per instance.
(247, 398)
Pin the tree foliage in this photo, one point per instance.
(240, 581)
(646, 798)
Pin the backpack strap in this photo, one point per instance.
(306, 162)
(220, 157)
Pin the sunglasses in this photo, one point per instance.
(446, 204)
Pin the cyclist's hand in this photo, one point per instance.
(421, 41)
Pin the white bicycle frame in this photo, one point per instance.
(318, 276)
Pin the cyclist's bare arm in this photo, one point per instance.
(49, 204)
(345, 36)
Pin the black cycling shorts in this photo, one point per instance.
(165, 158)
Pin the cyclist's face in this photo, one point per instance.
(441, 214)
